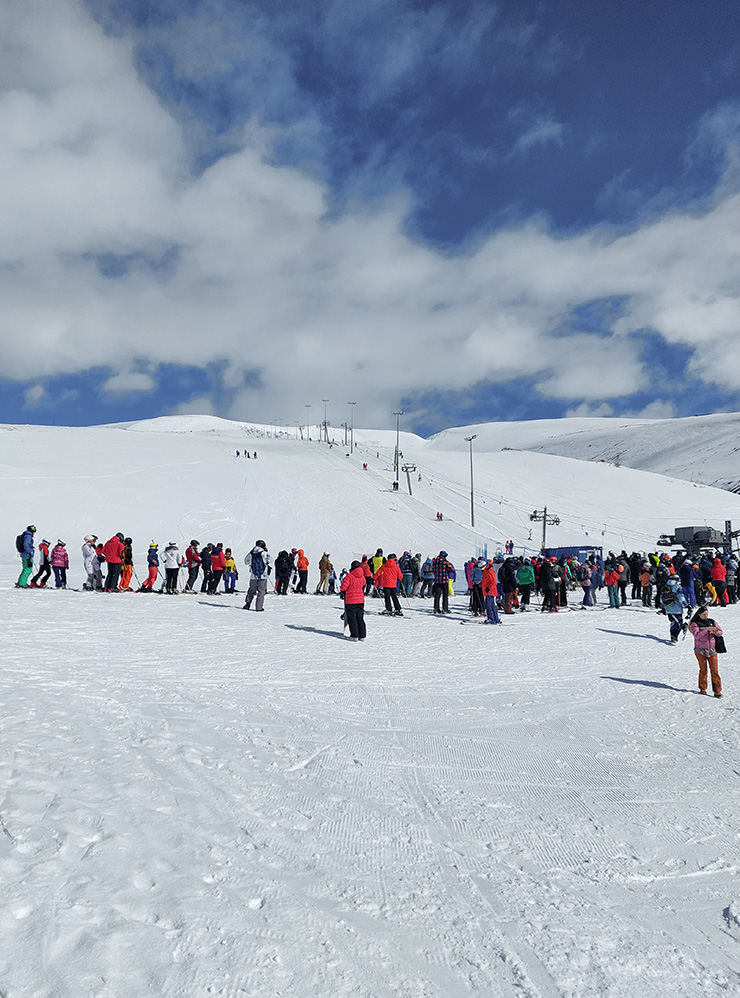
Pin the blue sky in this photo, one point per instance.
(473, 210)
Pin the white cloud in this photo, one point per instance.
(128, 383)
(34, 395)
(259, 278)
(203, 405)
(542, 131)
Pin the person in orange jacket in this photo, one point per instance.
(301, 565)
(388, 576)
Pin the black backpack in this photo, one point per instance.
(20, 543)
(581, 574)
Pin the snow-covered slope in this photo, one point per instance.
(200, 802)
(180, 479)
(702, 449)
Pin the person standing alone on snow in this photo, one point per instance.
(705, 632)
(258, 562)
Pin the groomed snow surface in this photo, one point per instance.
(198, 800)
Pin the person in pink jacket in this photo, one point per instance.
(353, 587)
(60, 563)
(705, 632)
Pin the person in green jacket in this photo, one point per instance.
(525, 581)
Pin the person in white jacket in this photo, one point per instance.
(92, 564)
(173, 562)
(259, 564)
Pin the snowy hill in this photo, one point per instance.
(702, 449)
(178, 477)
(202, 801)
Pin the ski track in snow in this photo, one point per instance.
(202, 801)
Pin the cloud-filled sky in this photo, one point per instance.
(467, 209)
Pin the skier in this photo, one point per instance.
(152, 560)
(25, 548)
(127, 566)
(173, 562)
(388, 576)
(673, 602)
(192, 560)
(489, 586)
(44, 567)
(353, 588)
(259, 564)
(525, 581)
(60, 563)
(205, 560)
(444, 573)
(302, 564)
(113, 551)
(91, 563)
(230, 572)
(218, 567)
(705, 632)
(427, 579)
(325, 568)
(283, 568)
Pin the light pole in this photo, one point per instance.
(308, 434)
(351, 426)
(472, 507)
(398, 440)
(326, 425)
(297, 424)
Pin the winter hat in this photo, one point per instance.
(91, 538)
(153, 544)
(31, 528)
(194, 544)
(128, 540)
(481, 563)
(61, 542)
(119, 535)
(355, 564)
(443, 554)
(44, 541)
(260, 544)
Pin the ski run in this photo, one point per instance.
(198, 800)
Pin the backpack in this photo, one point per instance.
(20, 543)
(258, 564)
(581, 574)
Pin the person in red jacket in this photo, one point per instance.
(192, 560)
(719, 578)
(218, 566)
(388, 576)
(353, 587)
(113, 551)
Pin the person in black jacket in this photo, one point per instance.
(507, 581)
(205, 563)
(283, 568)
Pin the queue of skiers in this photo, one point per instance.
(670, 584)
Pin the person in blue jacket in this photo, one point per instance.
(673, 602)
(26, 557)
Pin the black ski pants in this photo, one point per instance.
(441, 597)
(391, 599)
(354, 615)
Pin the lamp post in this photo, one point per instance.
(472, 506)
(398, 441)
(308, 434)
(351, 426)
(326, 425)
